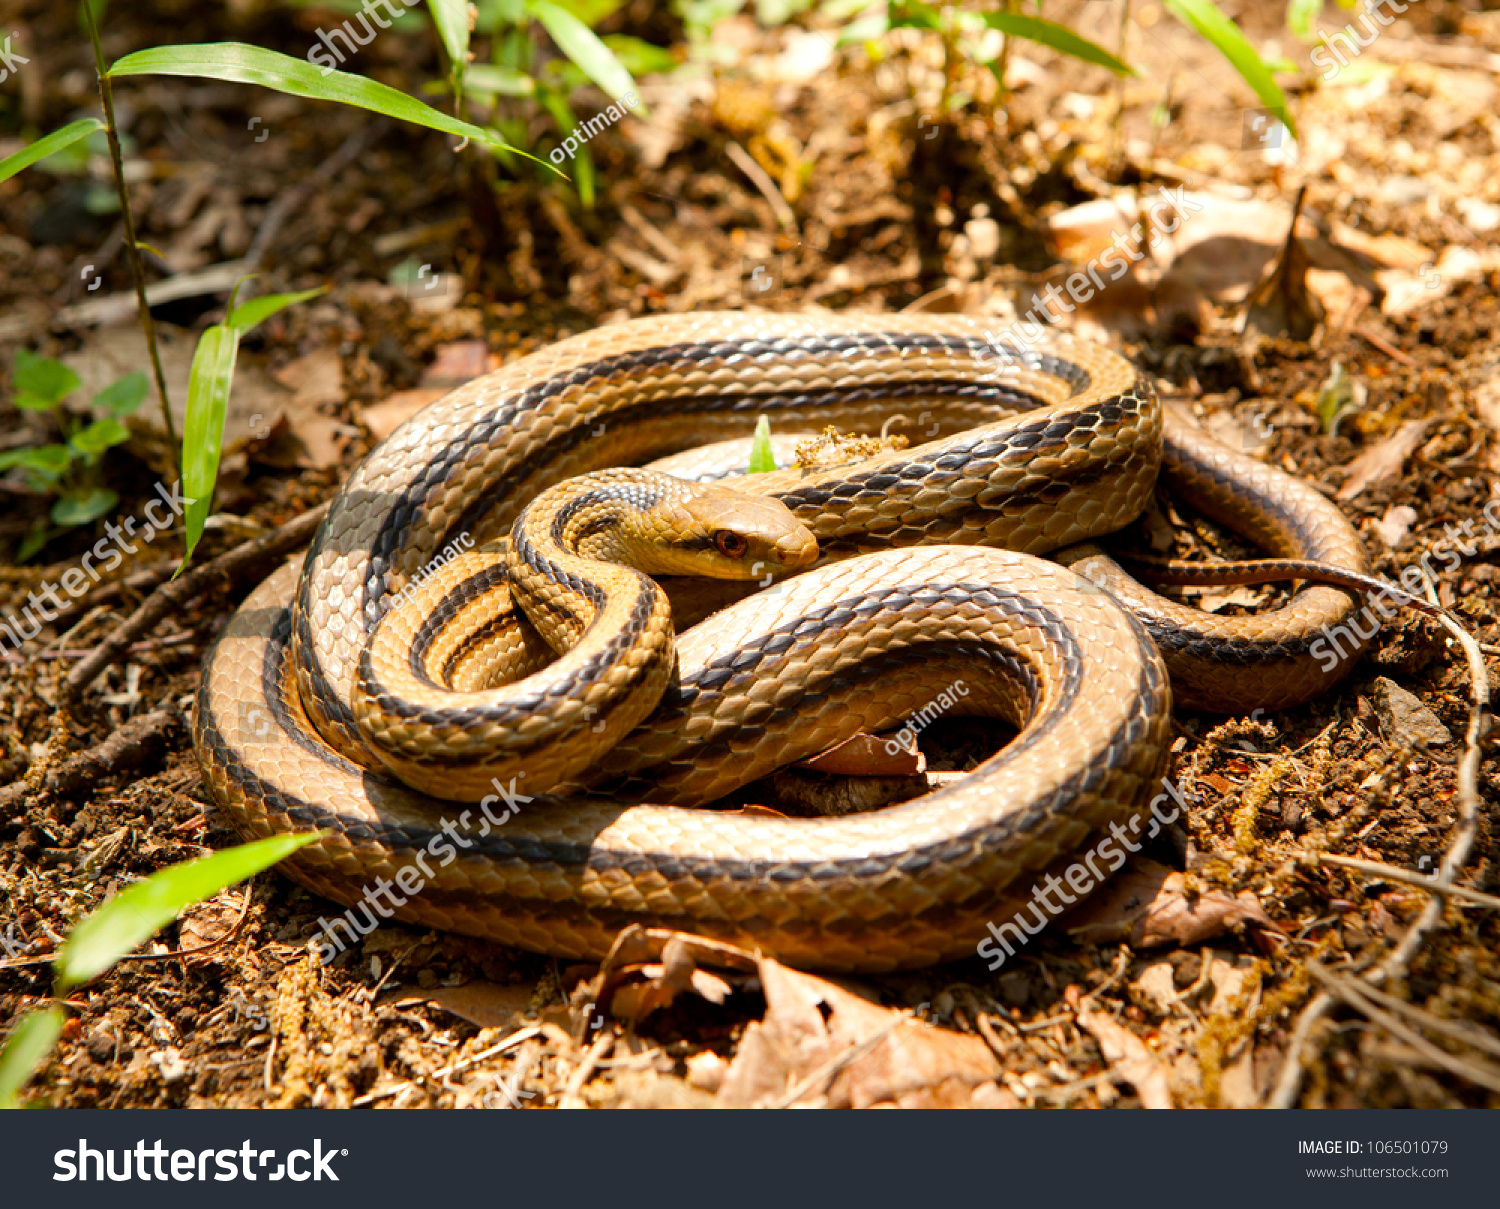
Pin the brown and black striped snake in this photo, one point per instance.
(549, 801)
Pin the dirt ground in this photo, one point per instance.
(1398, 248)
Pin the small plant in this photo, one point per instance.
(125, 921)
(68, 469)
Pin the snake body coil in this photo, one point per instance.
(308, 693)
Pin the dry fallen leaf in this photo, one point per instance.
(209, 922)
(487, 1004)
(1382, 461)
(384, 418)
(1128, 1058)
(1148, 905)
(818, 1044)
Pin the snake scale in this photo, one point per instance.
(927, 573)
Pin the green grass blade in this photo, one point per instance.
(143, 910)
(239, 63)
(762, 455)
(582, 45)
(30, 1042)
(257, 310)
(1058, 37)
(44, 147)
(1300, 15)
(203, 432)
(452, 20)
(1205, 17)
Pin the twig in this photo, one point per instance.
(276, 213)
(764, 183)
(1352, 993)
(1409, 877)
(174, 594)
(570, 1097)
(132, 249)
(515, 1039)
(136, 742)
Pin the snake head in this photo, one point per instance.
(726, 534)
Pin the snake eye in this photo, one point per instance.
(730, 544)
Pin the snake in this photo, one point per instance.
(404, 687)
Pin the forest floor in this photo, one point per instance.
(870, 197)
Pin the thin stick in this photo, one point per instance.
(132, 249)
(174, 594)
(1410, 877)
(764, 183)
(1352, 993)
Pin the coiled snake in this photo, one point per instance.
(307, 700)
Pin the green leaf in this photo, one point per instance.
(1300, 15)
(239, 63)
(27, 1048)
(1058, 37)
(762, 455)
(40, 382)
(486, 80)
(639, 57)
(122, 397)
(591, 12)
(99, 436)
(257, 310)
(1205, 17)
(203, 431)
(583, 46)
(85, 507)
(140, 912)
(44, 147)
(914, 15)
(49, 461)
(583, 162)
(452, 20)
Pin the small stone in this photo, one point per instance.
(1405, 718)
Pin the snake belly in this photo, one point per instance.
(1035, 450)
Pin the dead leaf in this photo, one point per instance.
(662, 982)
(822, 1044)
(1282, 303)
(458, 362)
(819, 1043)
(314, 380)
(1148, 905)
(384, 418)
(487, 1004)
(207, 923)
(866, 755)
(1128, 1058)
(1382, 461)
